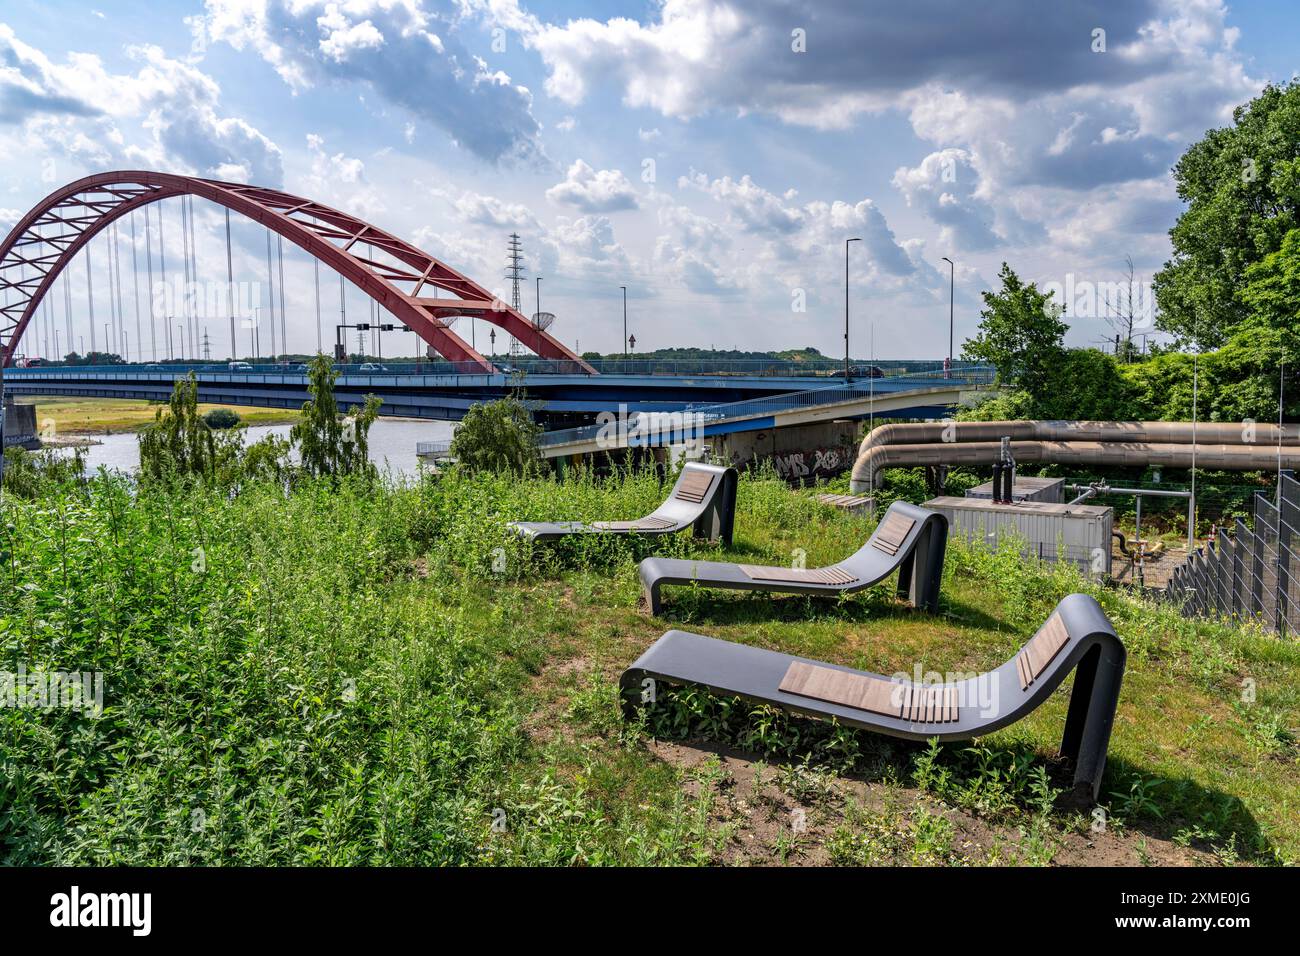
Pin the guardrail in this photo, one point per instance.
(508, 366)
(432, 448)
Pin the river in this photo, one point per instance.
(392, 444)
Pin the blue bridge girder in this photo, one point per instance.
(558, 398)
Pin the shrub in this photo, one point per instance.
(222, 418)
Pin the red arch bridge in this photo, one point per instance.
(424, 295)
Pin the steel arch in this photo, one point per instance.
(46, 239)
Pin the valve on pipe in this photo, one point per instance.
(1004, 474)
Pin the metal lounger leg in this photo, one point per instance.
(1091, 715)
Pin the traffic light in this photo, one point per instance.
(340, 353)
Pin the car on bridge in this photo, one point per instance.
(372, 367)
(239, 367)
(867, 371)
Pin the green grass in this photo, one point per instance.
(98, 416)
(380, 675)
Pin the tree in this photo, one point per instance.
(1021, 335)
(329, 444)
(1123, 305)
(1242, 187)
(498, 436)
(180, 444)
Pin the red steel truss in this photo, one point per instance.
(420, 291)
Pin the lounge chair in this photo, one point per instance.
(1077, 635)
(703, 497)
(908, 539)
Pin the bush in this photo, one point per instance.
(222, 418)
(498, 436)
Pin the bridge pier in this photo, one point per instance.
(20, 425)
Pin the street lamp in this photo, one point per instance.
(848, 376)
(952, 279)
(624, 288)
(537, 317)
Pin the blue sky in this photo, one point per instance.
(711, 156)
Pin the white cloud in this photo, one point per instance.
(591, 190)
(407, 53)
(482, 210)
(944, 187)
(164, 115)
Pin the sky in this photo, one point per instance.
(713, 157)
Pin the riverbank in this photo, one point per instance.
(371, 674)
(109, 416)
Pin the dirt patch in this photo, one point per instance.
(775, 815)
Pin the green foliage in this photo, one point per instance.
(1242, 187)
(498, 436)
(31, 474)
(327, 443)
(365, 673)
(179, 444)
(220, 418)
(1021, 335)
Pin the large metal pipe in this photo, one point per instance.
(868, 468)
(1268, 441)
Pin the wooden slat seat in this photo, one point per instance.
(891, 533)
(640, 524)
(1042, 647)
(828, 575)
(694, 486)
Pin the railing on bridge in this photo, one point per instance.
(427, 449)
(505, 366)
(788, 401)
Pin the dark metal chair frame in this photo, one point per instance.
(1077, 636)
(703, 498)
(917, 555)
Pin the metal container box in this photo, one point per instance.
(1079, 534)
(1051, 490)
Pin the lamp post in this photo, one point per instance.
(848, 376)
(624, 288)
(537, 317)
(952, 281)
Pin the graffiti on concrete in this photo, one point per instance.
(818, 462)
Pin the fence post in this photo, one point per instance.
(1286, 516)
(1239, 542)
(1257, 566)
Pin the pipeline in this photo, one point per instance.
(1086, 453)
(1219, 445)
